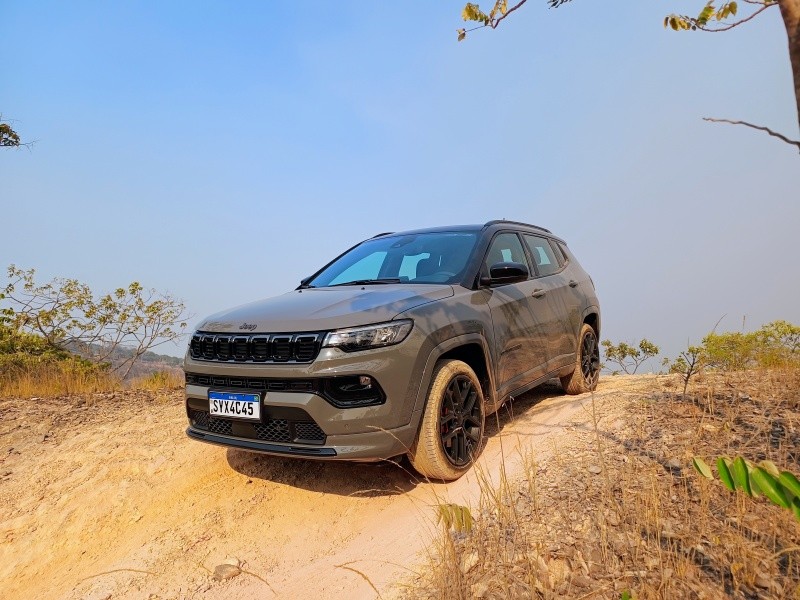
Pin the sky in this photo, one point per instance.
(223, 151)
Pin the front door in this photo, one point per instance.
(521, 348)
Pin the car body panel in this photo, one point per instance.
(316, 309)
(520, 336)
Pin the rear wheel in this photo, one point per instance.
(451, 433)
(587, 366)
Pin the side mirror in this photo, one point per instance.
(304, 281)
(506, 272)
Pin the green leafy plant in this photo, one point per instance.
(775, 344)
(782, 488)
(629, 358)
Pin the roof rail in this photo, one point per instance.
(382, 234)
(500, 221)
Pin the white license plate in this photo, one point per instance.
(238, 406)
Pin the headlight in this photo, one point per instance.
(371, 336)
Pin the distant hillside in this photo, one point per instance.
(149, 362)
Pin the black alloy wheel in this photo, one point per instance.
(461, 421)
(590, 359)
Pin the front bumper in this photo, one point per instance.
(304, 423)
(365, 447)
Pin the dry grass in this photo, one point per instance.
(55, 379)
(619, 508)
(63, 378)
(159, 381)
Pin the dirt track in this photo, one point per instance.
(109, 499)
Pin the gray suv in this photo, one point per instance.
(402, 345)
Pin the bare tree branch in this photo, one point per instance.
(780, 136)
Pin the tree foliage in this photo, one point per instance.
(629, 358)
(67, 316)
(712, 17)
(776, 344)
(705, 20)
(8, 137)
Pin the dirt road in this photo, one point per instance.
(104, 497)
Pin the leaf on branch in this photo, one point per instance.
(706, 14)
(702, 467)
(8, 137)
(472, 12)
(770, 487)
(725, 472)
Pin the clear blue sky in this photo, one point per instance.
(222, 151)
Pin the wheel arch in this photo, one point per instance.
(469, 348)
(591, 316)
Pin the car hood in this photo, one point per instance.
(319, 309)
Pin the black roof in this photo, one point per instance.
(496, 224)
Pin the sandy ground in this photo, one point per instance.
(104, 497)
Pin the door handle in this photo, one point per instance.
(573, 283)
(538, 293)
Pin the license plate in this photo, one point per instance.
(238, 406)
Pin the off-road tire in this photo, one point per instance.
(586, 373)
(454, 383)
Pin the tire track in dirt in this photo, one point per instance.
(125, 506)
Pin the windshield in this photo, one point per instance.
(416, 258)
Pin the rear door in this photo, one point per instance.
(557, 306)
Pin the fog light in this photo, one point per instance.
(347, 391)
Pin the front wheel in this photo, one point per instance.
(450, 436)
(587, 366)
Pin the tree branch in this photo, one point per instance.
(737, 23)
(496, 22)
(780, 136)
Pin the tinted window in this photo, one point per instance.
(416, 258)
(505, 247)
(542, 254)
(408, 267)
(562, 258)
(367, 268)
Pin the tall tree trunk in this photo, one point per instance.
(790, 11)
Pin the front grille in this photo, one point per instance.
(284, 431)
(308, 432)
(284, 347)
(254, 383)
(200, 419)
(276, 430)
(220, 426)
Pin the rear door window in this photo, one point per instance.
(542, 254)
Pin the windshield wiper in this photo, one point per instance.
(368, 281)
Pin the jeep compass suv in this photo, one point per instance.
(401, 345)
